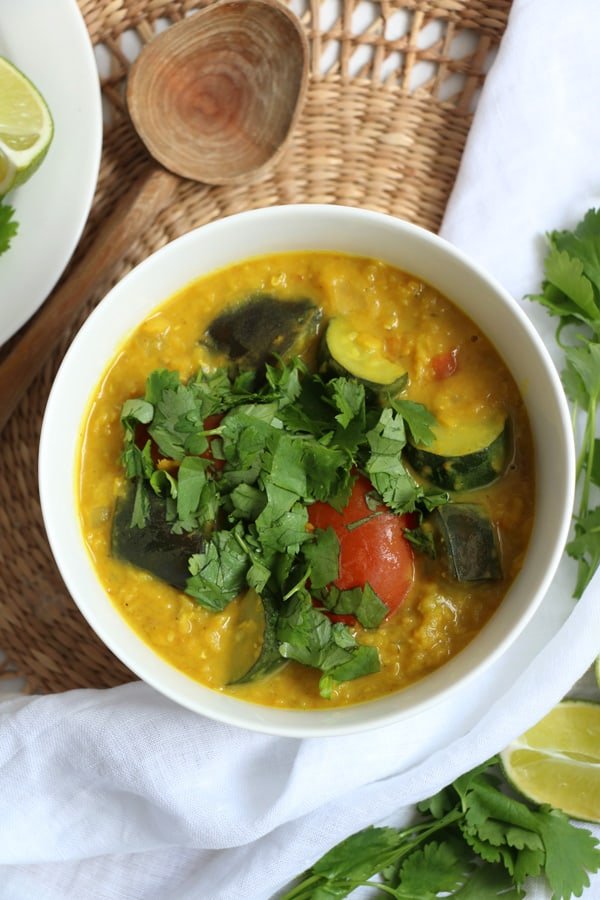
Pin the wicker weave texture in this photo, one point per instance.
(393, 85)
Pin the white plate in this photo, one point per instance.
(49, 42)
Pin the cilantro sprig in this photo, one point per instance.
(474, 840)
(571, 292)
(8, 226)
(295, 439)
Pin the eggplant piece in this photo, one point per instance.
(155, 547)
(467, 542)
(346, 351)
(254, 609)
(261, 328)
(465, 457)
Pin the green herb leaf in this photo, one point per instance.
(8, 226)
(348, 397)
(363, 603)
(585, 548)
(361, 661)
(419, 420)
(308, 636)
(571, 291)
(282, 525)
(566, 273)
(570, 854)
(388, 474)
(433, 868)
(247, 501)
(191, 481)
(322, 555)
(473, 842)
(218, 574)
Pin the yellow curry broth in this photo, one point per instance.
(414, 322)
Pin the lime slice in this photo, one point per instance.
(558, 760)
(26, 127)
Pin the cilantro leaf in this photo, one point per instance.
(359, 856)
(566, 273)
(571, 292)
(136, 411)
(308, 636)
(570, 853)
(488, 883)
(8, 226)
(361, 602)
(361, 661)
(218, 574)
(322, 554)
(585, 360)
(327, 470)
(287, 468)
(247, 502)
(191, 481)
(385, 467)
(433, 868)
(158, 381)
(418, 418)
(473, 841)
(585, 548)
(282, 525)
(348, 396)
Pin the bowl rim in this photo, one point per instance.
(144, 662)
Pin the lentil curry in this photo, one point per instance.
(333, 507)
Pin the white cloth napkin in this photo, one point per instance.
(122, 795)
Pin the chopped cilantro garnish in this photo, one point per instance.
(294, 440)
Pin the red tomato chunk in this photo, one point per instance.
(375, 552)
(445, 364)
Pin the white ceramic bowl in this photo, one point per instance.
(308, 227)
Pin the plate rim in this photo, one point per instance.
(65, 14)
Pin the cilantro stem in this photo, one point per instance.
(298, 586)
(587, 454)
(362, 521)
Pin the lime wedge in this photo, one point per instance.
(26, 127)
(558, 760)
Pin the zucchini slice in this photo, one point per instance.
(256, 646)
(465, 457)
(467, 542)
(262, 327)
(154, 548)
(347, 351)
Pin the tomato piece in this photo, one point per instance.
(375, 551)
(445, 364)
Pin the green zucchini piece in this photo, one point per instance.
(154, 548)
(256, 625)
(347, 351)
(262, 327)
(467, 542)
(465, 457)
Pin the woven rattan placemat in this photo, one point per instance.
(392, 90)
